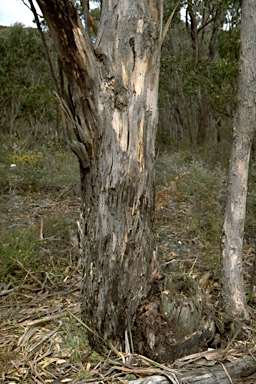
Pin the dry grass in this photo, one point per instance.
(43, 340)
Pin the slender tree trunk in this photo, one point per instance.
(254, 147)
(114, 89)
(233, 292)
(202, 117)
(187, 111)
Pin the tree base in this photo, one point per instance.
(174, 321)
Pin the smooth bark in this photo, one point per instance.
(233, 292)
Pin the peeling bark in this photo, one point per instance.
(114, 86)
(119, 239)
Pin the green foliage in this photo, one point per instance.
(94, 356)
(229, 44)
(202, 187)
(22, 251)
(27, 171)
(43, 168)
(25, 84)
(183, 73)
(18, 247)
(221, 75)
(196, 184)
(76, 343)
(35, 171)
(169, 6)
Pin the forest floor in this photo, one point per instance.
(42, 337)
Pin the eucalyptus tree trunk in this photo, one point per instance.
(233, 292)
(114, 85)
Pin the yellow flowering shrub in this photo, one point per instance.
(28, 158)
(27, 171)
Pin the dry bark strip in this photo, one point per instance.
(228, 373)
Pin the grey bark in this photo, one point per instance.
(233, 292)
(177, 323)
(208, 375)
(114, 88)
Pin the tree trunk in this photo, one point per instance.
(114, 88)
(233, 292)
(202, 118)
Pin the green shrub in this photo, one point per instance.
(18, 250)
(27, 171)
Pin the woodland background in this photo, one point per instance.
(39, 190)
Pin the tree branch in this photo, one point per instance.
(167, 25)
(46, 50)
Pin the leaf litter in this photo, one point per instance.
(43, 339)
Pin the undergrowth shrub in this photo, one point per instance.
(18, 249)
(23, 251)
(197, 187)
(27, 166)
(27, 171)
